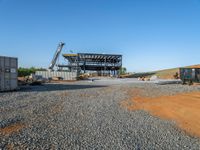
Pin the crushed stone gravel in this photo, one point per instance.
(87, 115)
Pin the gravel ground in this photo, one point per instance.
(87, 115)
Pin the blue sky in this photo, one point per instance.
(150, 34)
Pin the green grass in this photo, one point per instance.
(163, 74)
(167, 73)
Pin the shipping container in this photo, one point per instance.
(8, 73)
(190, 75)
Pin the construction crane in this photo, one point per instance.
(56, 55)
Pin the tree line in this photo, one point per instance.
(22, 72)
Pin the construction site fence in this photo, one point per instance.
(60, 74)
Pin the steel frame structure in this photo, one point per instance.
(103, 64)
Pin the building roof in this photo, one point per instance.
(93, 57)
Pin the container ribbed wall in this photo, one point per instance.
(8, 73)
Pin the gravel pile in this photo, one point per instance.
(87, 115)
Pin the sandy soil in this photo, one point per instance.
(183, 108)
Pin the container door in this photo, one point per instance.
(7, 78)
(13, 84)
(198, 75)
(13, 73)
(186, 73)
(193, 74)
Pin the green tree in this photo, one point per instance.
(27, 71)
(122, 70)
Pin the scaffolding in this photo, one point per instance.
(103, 64)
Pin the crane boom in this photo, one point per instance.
(56, 55)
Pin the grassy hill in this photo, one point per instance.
(163, 74)
(167, 73)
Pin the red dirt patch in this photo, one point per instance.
(183, 108)
(14, 128)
